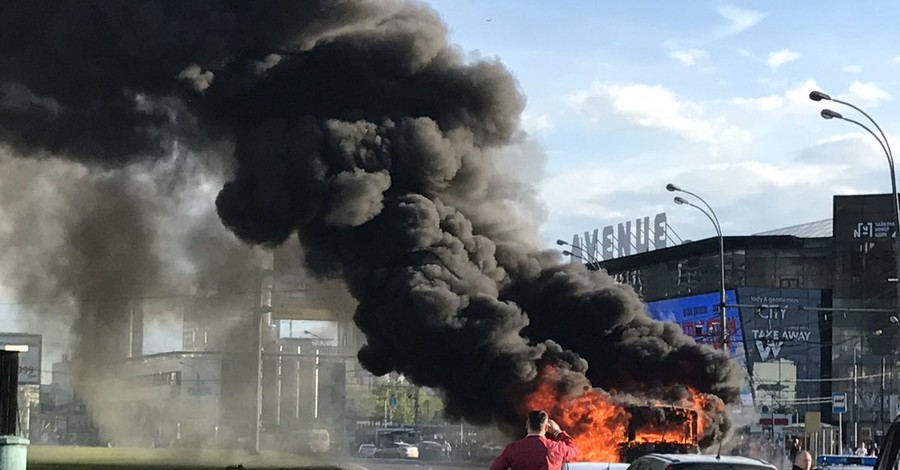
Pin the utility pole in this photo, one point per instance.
(257, 346)
(416, 410)
(881, 412)
(855, 396)
(262, 311)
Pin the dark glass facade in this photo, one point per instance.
(691, 268)
(864, 232)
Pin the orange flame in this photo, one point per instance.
(596, 424)
(603, 426)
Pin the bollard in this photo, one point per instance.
(13, 453)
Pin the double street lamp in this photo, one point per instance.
(886, 147)
(591, 261)
(711, 215)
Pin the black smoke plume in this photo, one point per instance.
(360, 130)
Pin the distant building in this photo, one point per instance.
(64, 419)
(789, 287)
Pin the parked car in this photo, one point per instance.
(890, 448)
(366, 450)
(595, 466)
(698, 462)
(317, 441)
(397, 451)
(407, 451)
(432, 450)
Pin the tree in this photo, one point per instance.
(374, 402)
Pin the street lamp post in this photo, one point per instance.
(857, 350)
(316, 376)
(711, 215)
(886, 147)
(591, 259)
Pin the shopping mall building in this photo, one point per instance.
(806, 305)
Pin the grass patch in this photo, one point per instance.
(105, 458)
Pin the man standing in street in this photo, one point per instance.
(802, 461)
(546, 447)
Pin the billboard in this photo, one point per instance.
(783, 342)
(698, 316)
(30, 361)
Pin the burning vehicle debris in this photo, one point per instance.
(611, 427)
(397, 162)
(662, 428)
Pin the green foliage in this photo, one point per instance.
(372, 402)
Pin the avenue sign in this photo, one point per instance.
(623, 239)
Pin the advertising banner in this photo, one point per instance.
(30, 361)
(699, 317)
(783, 342)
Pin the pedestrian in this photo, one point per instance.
(794, 450)
(546, 447)
(803, 461)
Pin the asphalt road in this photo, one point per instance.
(403, 464)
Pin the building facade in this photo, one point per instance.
(812, 309)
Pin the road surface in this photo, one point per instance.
(403, 464)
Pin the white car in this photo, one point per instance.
(698, 462)
(595, 466)
(366, 450)
(408, 451)
(399, 450)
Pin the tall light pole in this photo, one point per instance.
(886, 146)
(711, 215)
(316, 376)
(895, 203)
(857, 349)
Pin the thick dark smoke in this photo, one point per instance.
(358, 129)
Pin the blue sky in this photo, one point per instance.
(625, 97)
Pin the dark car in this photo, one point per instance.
(431, 450)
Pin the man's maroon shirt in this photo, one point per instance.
(537, 453)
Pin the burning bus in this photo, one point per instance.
(617, 428)
(661, 429)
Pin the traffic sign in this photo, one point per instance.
(393, 402)
(839, 402)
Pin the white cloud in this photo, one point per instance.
(794, 100)
(852, 68)
(753, 191)
(792, 156)
(896, 59)
(690, 56)
(764, 103)
(738, 19)
(782, 57)
(536, 123)
(871, 93)
(657, 107)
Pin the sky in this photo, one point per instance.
(625, 97)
